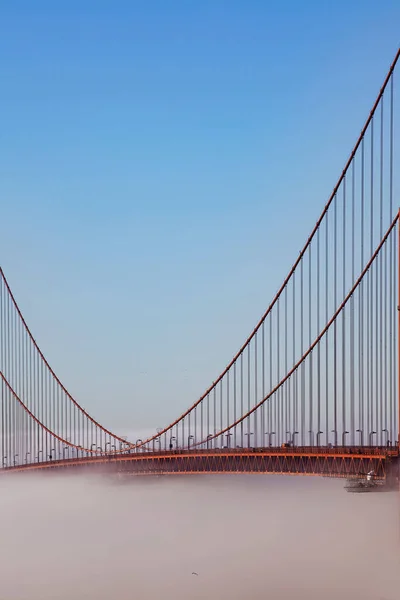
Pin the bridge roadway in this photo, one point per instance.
(340, 462)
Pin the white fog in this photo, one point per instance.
(245, 537)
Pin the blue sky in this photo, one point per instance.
(161, 164)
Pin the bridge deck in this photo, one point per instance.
(333, 462)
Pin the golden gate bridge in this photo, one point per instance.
(314, 390)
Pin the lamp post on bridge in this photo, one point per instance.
(136, 444)
(208, 439)
(4, 459)
(159, 430)
(343, 437)
(311, 433)
(319, 433)
(171, 446)
(335, 438)
(157, 439)
(387, 436)
(228, 442)
(190, 437)
(15, 461)
(371, 433)
(105, 446)
(64, 449)
(270, 434)
(294, 433)
(26, 456)
(360, 431)
(39, 451)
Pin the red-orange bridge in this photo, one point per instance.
(336, 462)
(314, 390)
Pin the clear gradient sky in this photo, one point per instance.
(161, 164)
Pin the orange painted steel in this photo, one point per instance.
(335, 462)
(398, 327)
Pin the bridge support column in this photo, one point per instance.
(398, 330)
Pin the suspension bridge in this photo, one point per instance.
(314, 390)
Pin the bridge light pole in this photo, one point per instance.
(4, 459)
(190, 437)
(319, 433)
(15, 462)
(105, 446)
(343, 437)
(387, 436)
(171, 446)
(26, 456)
(159, 430)
(360, 431)
(39, 451)
(136, 444)
(65, 448)
(294, 433)
(335, 438)
(228, 442)
(371, 433)
(208, 439)
(311, 437)
(269, 434)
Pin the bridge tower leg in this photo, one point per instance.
(398, 330)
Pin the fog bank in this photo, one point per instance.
(247, 537)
